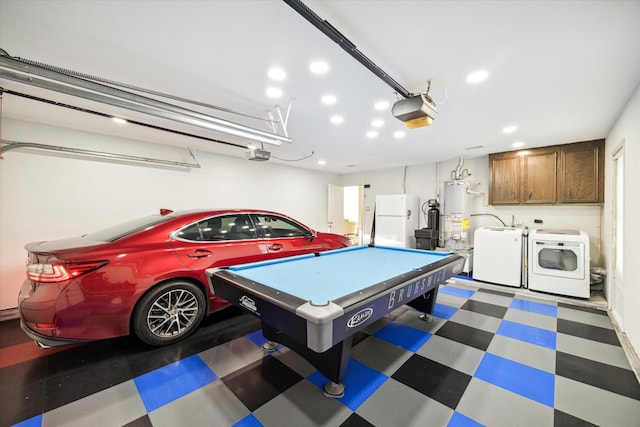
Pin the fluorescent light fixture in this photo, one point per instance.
(322, 162)
(319, 67)
(372, 134)
(509, 129)
(517, 144)
(377, 123)
(399, 134)
(119, 120)
(477, 76)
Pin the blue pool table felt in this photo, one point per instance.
(334, 274)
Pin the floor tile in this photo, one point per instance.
(601, 375)
(476, 320)
(452, 354)
(248, 421)
(531, 319)
(380, 355)
(294, 361)
(231, 356)
(302, 405)
(413, 319)
(594, 350)
(591, 317)
(116, 405)
(595, 405)
(534, 307)
(361, 382)
(504, 293)
(521, 379)
(526, 333)
(495, 298)
(211, 405)
(433, 379)
(143, 421)
(356, 420)
(494, 406)
(523, 352)
(444, 311)
(395, 404)
(466, 335)
(403, 336)
(261, 381)
(159, 387)
(595, 333)
(565, 420)
(485, 308)
(455, 291)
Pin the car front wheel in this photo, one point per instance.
(169, 313)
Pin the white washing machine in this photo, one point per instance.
(498, 255)
(559, 262)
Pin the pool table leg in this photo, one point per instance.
(425, 303)
(332, 363)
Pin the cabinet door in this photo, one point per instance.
(504, 174)
(540, 178)
(581, 174)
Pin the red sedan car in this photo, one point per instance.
(147, 276)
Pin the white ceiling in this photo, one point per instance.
(561, 71)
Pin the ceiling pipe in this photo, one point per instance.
(33, 75)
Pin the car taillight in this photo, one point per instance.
(52, 273)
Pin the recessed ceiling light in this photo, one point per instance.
(119, 120)
(322, 162)
(328, 99)
(399, 134)
(277, 74)
(336, 120)
(377, 123)
(274, 92)
(509, 129)
(477, 76)
(319, 67)
(372, 134)
(517, 144)
(381, 105)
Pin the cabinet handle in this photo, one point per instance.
(530, 195)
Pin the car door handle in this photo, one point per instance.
(199, 253)
(275, 247)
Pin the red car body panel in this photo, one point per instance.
(99, 304)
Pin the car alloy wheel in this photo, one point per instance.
(169, 312)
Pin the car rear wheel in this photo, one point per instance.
(169, 313)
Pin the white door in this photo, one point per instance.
(335, 216)
(617, 285)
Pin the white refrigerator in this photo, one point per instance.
(397, 217)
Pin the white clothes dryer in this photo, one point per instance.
(559, 262)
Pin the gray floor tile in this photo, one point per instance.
(476, 320)
(294, 361)
(600, 320)
(395, 404)
(380, 355)
(450, 300)
(595, 405)
(589, 349)
(211, 405)
(531, 319)
(412, 318)
(494, 406)
(302, 405)
(231, 356)
(492, 299)
(116, 405)
(452, 354)
(523, 352)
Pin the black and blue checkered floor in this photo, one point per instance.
(488, 357)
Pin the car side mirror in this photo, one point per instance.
(311, 234)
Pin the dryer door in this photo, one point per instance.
(558, 259)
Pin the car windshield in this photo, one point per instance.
(116, 232)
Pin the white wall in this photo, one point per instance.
(427, 181)
(47, 196)
(627, 129)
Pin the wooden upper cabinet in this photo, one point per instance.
(562, 174)
(504, 180)
(581, 173)
(539, 181)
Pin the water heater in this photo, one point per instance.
(457, 227)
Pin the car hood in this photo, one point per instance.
(62, 245)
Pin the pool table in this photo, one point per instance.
(315, 303)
